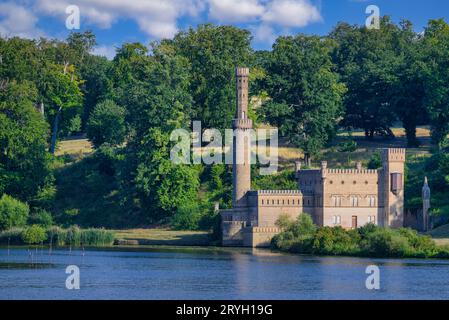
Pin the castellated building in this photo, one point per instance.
(349, 198)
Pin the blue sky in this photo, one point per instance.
(117, 21)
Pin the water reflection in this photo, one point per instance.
(213, 273)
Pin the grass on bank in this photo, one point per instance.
(159, 236)
(57, 236)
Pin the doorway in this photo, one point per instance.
(354, 222)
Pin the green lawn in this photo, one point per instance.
(159, 236)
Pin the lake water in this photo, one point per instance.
(208, 273)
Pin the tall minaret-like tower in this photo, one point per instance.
(242, 141)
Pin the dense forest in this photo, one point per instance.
(310, 87)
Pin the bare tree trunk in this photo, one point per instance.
(42, 109)
(307, 159)
(55, 132)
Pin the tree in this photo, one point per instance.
(24, 162)
(13, 213)
(306, 92)
(163, 185)
(63, 92)
(366, 60)
(436, 43)
(213, 53)
(408, 91)
(154, 91)
(107, 124)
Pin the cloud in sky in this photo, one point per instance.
(105, 51)
(16, 20)
(160, 18)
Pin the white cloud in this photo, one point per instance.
(291, 13)
(235, 10)
(16, 20)
(157, 18)
(105, 51)
(264, 33)
(160, 18)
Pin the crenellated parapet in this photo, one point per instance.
(353, 171)
(242, 123)
(393, 155)
(276, 192)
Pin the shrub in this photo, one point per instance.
(375, 162)
(187, 217)
(13, 213)
(41, 217)
(34, 235)
(347, 146)
(284, 222)
(107, 124)
(303, 226)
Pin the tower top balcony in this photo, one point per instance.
(242, 123)
(241, 72)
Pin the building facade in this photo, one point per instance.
(348, 198)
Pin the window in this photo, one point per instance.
(372, 201)
(336, 201)
(372, 219)
(396, 182)
(354, 201)
(336, 220)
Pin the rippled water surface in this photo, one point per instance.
(208, 273)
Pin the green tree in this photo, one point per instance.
(24, 163)
(408, 91)
(34, 235)
(63, 92)
(306, 92)
(366, 60)
(107, 124)
(436, 43)
(13, 213)
(213, 52)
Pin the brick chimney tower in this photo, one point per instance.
(242, 142)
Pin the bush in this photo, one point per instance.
(13, 213)
(107, 124)
(370, 240)
(34, 235)
(347, 146)
(187, 217)
(41, 217)
(303, 226)
(375, 162)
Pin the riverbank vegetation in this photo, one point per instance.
(311, 87)
(302, 236)
(56, 236)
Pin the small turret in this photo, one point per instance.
(426, 205)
